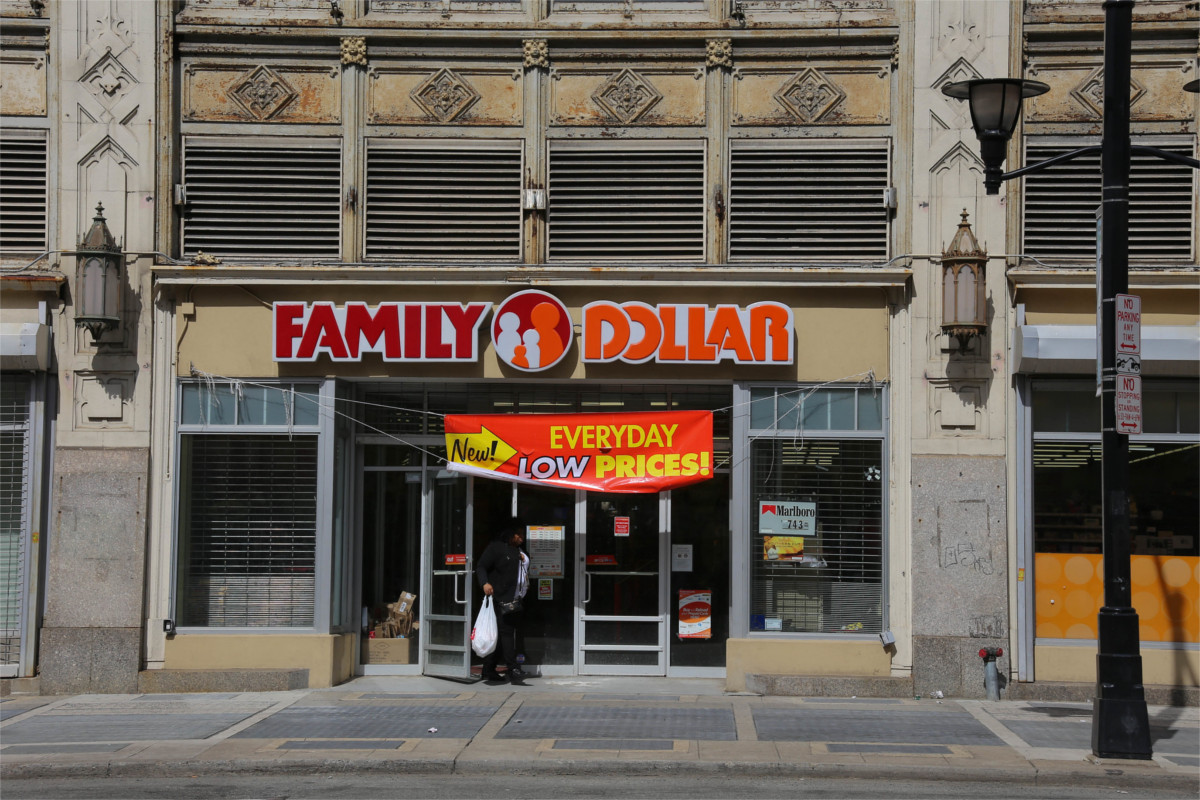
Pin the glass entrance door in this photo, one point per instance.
(448, 617)
(622, 619)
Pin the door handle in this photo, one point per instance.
(463, 601)
(587, 588)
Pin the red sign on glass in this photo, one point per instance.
(456, 558)
(604, 561)
(620, 526)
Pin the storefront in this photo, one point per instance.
(319, 484)
(1060, 578)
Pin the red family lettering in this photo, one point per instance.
(398, 331)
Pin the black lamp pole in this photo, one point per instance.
(1120, 726)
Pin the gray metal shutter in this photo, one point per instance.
(22, 191)
(248, 522)
(798, 202)
(1061, 203)
(434, 202)
(279, 199)
(634, 201)
(14, 516)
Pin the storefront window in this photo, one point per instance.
(816, 547)
(1164, 505)
(248, 506)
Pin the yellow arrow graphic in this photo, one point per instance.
(485, 449)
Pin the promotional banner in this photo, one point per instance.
(616, 452)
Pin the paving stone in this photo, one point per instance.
(866, 700)
(414, 696)
(37, 749)
(912, 749)
(583, 722)
(633, 744)
(1077, 735)
(371, 722)
(342, 744)
(55, 727)
(639, 698)
(829, 725)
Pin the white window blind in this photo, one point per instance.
(1061, 203)
(277, 199)
(807, 201)
(14, 481)
(629, 201)
(248, 522)
(444, 202)
(22, 191)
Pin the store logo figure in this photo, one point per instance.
(531, 331)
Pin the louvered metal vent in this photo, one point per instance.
(433, 202)
(630, 202)
(22, 192)
(1061, 203)
(810, 202)
(275, 201)
(248, 514)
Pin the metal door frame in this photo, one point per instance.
(463, 584)
(582, 588)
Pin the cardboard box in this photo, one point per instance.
(405, 603)
(387, 651)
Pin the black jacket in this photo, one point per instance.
(500, 565)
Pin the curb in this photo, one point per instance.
(1026, 774)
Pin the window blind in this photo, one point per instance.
(23, 191)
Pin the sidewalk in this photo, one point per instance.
(580, 725)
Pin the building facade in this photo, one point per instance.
(341, 222)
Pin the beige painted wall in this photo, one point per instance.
(328, 659)
(1078, 663)
(1173, 306)
(803, 657)
(840, 333)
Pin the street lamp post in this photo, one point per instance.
(1120, 726)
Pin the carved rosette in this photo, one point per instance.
(719, 53)
(263, 93)
(537, 54)
(809, 95)
(354, 50)
(626, 96)
(445, 96)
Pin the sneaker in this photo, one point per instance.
(491, 676)
(517, 674)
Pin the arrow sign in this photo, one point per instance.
(484, 449)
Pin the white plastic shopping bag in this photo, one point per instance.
(484, 635)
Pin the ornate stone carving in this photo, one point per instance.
(1090, 92)
(809, 95)
(354, 50)
(263, 93)
(445, 96)
(626, 96)
(719, 53)
(108, 80)
(537, 53)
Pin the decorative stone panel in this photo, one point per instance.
(418, 95)
(103, 400)
(770, 95)
(23, 82)
(261, 93)
(642, 96)
(1155, 91)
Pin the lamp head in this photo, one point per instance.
(995, 105)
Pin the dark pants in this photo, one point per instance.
(506, 648)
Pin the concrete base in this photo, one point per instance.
(90, 660)
(186, 681)
(1050, 691)
(15, 686)
(829, 686)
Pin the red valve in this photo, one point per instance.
(983, 652)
